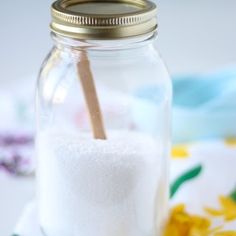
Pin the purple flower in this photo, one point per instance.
(9, 140)
(16, 154)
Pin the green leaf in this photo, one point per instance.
(233, 195)
(189, 175)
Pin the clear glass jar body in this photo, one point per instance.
(117, 186)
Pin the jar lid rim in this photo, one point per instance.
(103, 19)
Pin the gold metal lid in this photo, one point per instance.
(103, 19)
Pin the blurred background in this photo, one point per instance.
(195, 37)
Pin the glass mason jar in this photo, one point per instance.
(103, 122)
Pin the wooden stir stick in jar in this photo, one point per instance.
(90, 95)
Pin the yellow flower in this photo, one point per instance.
(226, 233)
(227, 209)
(214, 212)
(181, 223)
(180, 151)
(230, 141)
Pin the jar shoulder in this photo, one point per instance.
(116, 69)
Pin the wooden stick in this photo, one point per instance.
(90, 95)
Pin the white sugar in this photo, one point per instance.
(98, 187)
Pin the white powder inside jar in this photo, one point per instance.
(93, 187)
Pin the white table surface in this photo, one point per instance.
(194, 36)
(14, 194)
